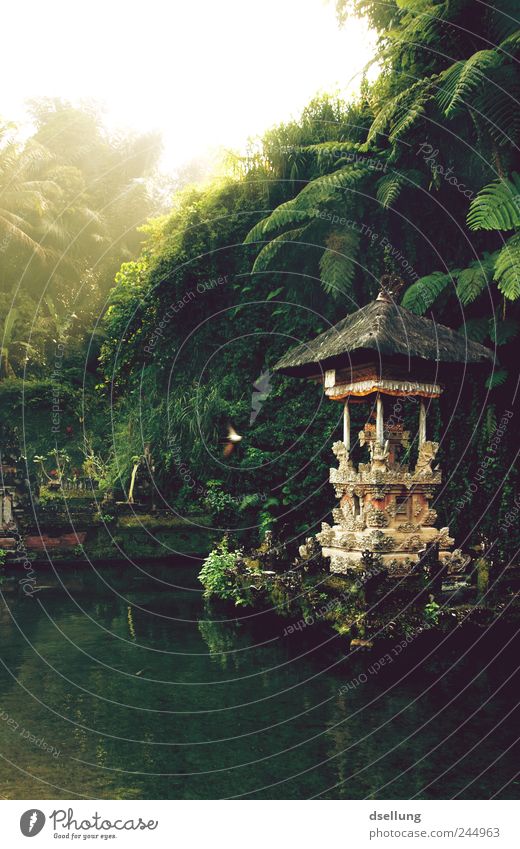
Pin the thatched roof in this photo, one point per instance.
(388, 329)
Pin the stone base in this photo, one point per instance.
(398, 563)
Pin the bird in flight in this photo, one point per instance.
(232, 439)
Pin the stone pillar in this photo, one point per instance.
(422, 423)
(346, 426)
(379, 421)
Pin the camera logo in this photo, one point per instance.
(32, 822)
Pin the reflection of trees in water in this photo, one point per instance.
(222, 641)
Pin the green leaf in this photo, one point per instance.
(458, 83)
(402, 111)
(498, 378)
(507, 268)
(274, 293)
(501, 332)
(422, 294)
(389, 187)
(337, 265)
(497, 206)
(471, 282)
(284, 215)
(273, 248)
(475, 329)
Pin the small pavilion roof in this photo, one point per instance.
(387, 329)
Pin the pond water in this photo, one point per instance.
(121, 684)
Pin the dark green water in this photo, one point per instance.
(142, 694)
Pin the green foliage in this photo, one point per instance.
(420, 297)
(507, 269)
(472, 281)
(337, 266)
(497, 205)
(432, 612)
(217, 575)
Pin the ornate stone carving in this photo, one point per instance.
(378, 541)
(408, 528)
(443, 538)
(430, 517)
(426, 456)
(326, 535)
(377, 518)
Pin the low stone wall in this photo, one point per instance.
(74, 529)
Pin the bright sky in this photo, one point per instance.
(205, 73)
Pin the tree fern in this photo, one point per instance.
(498, 378)
(285, 215)
(421, 295)
(507, 268)
(273, 248)
(476, 329)
(337, 266)
(472, 281)
(389, 187)
(497, 206)
(402, 111)
(497, 105)
(501, 332)
(458, 83)
(309, 203)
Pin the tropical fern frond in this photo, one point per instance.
(497, 206)
(422, 294)
(308, 204)
(285, 215)
(475, 329)
(337, 265)
(458, 83)
(507, 269)
(389, 187)
(273, 248)
(471, 282)
(498, 378)
(403, 111)
(497, 104)
(501, 332)
(323, 188)
(511, 45)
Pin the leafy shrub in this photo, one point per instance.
(218, 573)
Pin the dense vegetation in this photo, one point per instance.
(417, 176)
